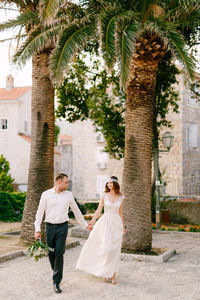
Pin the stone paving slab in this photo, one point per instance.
(177, 279)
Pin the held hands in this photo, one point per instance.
(90, 227)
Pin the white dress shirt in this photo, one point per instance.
(55, 206)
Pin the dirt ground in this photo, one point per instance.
(10, 243)
(9, 226)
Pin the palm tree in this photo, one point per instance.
(134, 35)
(36, 39)
(40, 175)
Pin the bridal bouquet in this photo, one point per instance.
(39, 250)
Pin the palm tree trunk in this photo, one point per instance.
(138, 150)
(40, 177)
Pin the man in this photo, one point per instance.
(55, 204)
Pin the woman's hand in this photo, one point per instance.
(90, 226)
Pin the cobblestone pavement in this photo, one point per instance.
(177, 279)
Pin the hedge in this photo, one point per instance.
(11, 206)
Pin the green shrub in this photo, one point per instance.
(6, 181)
(81, 207)
(91, 207)
(11, 206)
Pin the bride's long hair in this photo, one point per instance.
(116, 186)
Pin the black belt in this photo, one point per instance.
(56, 225)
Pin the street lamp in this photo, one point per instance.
(167, 139)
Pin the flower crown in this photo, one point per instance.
(111, 179)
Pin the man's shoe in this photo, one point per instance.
(57, 288)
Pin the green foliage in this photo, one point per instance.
(11, 206)
(118, 25)
(5, 179)
(39, 250)
(181, 228)
(91, 207)
(84, 95)
(80, 206)
(57, 131)
(166, 97)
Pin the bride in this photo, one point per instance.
(100, 254)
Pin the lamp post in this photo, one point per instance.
(167, 139)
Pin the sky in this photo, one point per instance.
(22, 77)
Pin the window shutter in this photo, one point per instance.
(192, 136)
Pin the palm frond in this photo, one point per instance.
(13, 38)
(176, 42)
(128, 41)
(128, 28)
(36, 42)
(24, 19)
(23, 5)
(72, 39)
(172, 39)
(8, 9)
(107, 35)
(183, 10)
(49, 9)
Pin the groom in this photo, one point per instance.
(55, 203)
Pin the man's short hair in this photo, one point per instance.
(60, 176)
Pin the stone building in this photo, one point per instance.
(64, 147)
(80, 154)
(88, 167)
(180, 168)
(15, 131)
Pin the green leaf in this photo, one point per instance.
(176, 42)
(23, 19)
(36, 42)
(72, 39)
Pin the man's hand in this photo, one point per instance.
(37, 235)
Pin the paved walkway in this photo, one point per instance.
(177, 279)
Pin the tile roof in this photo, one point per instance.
(14, 93)
(28, 139)
(25, 137)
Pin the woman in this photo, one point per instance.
(100, 254)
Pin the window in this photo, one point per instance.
(101, 157)
(100, 138)
(4, 124)
(192, 136)
(100, 184)
(25, 126)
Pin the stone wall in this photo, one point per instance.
(181, 163)
(171, 162)
(184, 212)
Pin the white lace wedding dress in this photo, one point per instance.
(100, 254)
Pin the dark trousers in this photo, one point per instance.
(56, 239)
